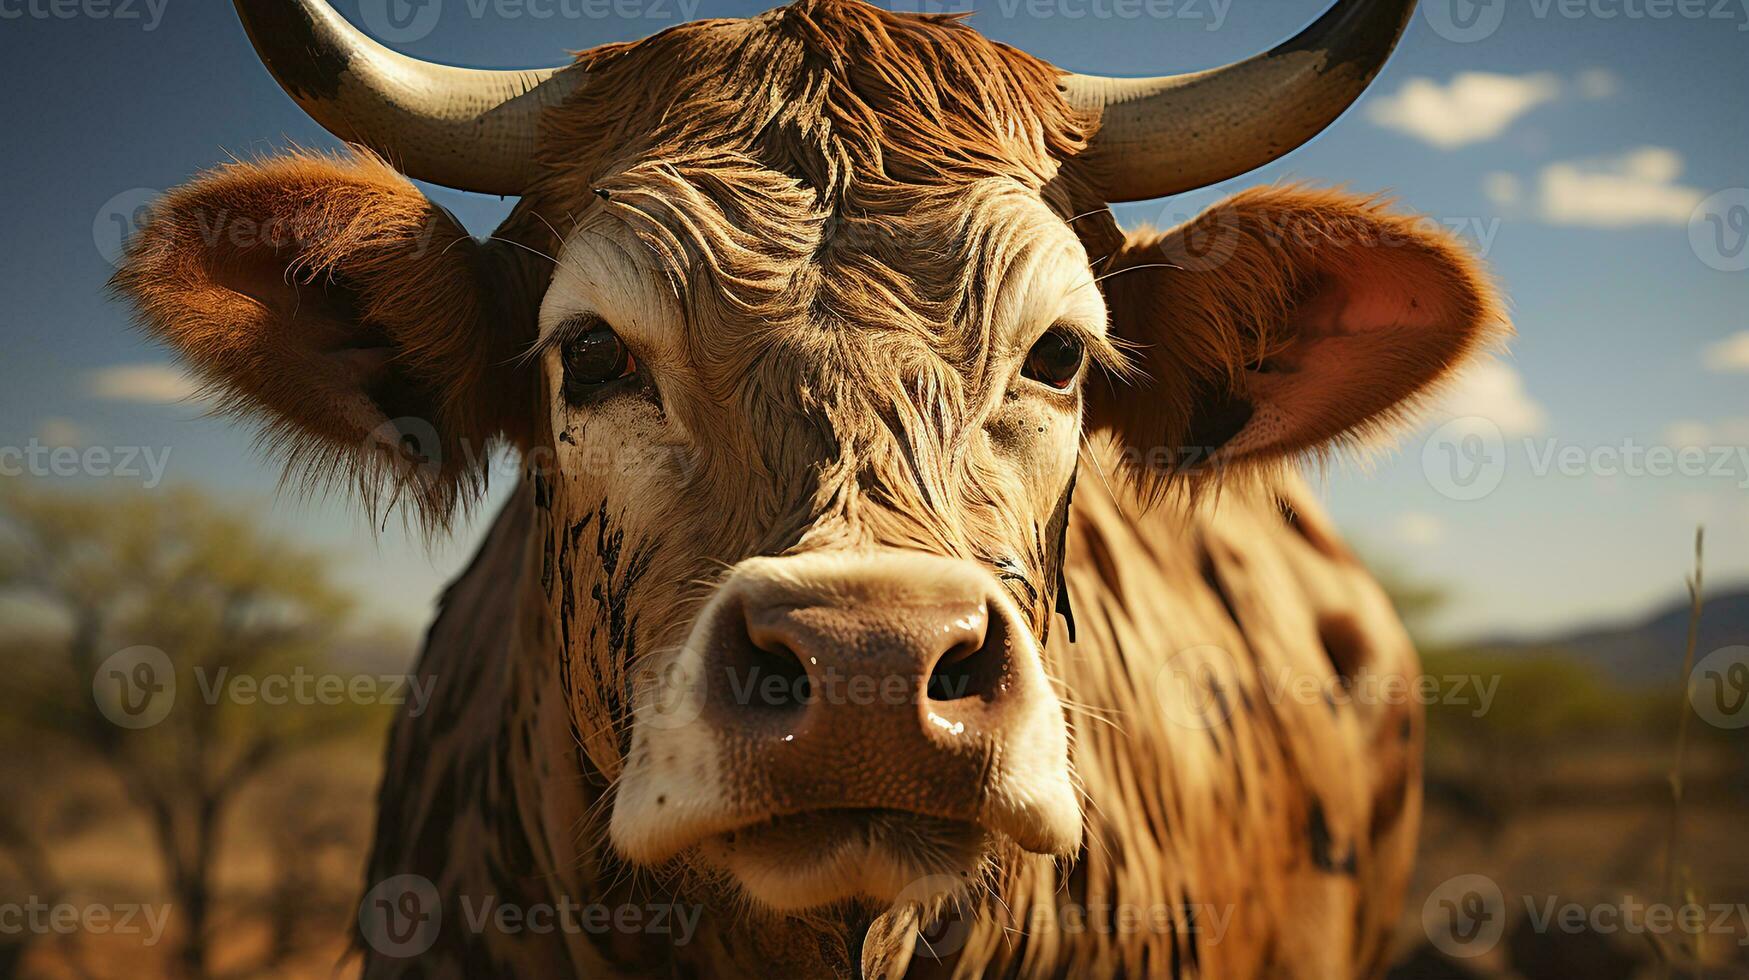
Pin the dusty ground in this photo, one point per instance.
(1593, 833)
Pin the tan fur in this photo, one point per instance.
(326, 296)
(838, 207)
(1207, 805)
(860, 106)
(1204, 305)
(1190, 805)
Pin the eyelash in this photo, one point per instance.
(1045, 361)
(594, 360)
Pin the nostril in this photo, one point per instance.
(974, 668)
(777, 677)
(756, 667)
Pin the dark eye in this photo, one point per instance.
(595, 357)
(1055, 359)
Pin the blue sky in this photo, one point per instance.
(1596, 151)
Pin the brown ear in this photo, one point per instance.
(326, 295)
(1284, 321)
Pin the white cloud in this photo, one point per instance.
(1687, 432)
(58, 431)
(1597, 83)
(1492, 390)
(1473, 107)
(1636, 188)
(1724, 432)
(1503, 188)
(1418, 529)
(152, 383)
(1731, 355)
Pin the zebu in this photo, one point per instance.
(832, 373)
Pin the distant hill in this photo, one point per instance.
(1648, 650)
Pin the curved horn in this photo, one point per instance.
(461, 127)
(1160, 136)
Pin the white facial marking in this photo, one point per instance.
(599, 273)
(676, 791)
(1052, 282)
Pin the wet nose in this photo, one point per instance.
(879, 681)
(943, 642)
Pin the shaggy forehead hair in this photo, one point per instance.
(859, 106)
(837, 197)
(812, 160)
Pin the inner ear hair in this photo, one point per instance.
(1281, 324)
(372, 337)
(1214, 421)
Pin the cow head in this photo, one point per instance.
(801, 324)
